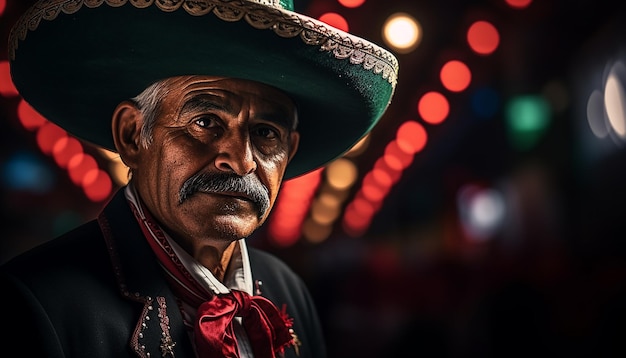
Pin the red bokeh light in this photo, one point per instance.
(411, 137)
(351, 3)
(65, 149)
(79, 165)
(284, 234)
(30, 119)
(291, 208)
(397, 157)
(381, 164)
(455, 76)
(361, 211)
(433, 107)
(97, 185)
(518, 4)
(355, 224)
(373, 192)
(483, 38)
(47, 136)
(7, 88)
(335, 20)
(381, 177)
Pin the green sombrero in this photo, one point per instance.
(75, 60)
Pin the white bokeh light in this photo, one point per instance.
(615, 99)
(482, 211)
(595, 114)
(402, 32)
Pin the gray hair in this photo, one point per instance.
(148, 103)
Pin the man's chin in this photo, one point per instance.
(232, 227)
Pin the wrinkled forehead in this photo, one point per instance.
(231, 93)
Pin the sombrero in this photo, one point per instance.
(75, 60)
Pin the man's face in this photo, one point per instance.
(219, 152)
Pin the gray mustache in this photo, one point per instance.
(249, 186)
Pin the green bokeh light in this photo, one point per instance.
(527, 118)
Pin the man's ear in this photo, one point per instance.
(126, 125)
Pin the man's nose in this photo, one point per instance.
(235, 154)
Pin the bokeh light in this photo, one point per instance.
(29, 117)
(482, 211)
(324, 211)
(393, 150)
(615, 99)
(518, 4)
(455, 76)
(64, 149)
(290, 210)
(381, 164)
(79, 165)
(26, 171)
(47, 136)
(314, 232)
(341, 173)
(7, 88)
(595, 114)
(433, 107)
(402, 32)
(527, 118)
(335, 20)
(483, 38)
(411, 137)
(97, 185)
(351, 3)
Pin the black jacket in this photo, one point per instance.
(98, 291)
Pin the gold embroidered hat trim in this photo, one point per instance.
(283, 23)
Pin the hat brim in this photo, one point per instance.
(76, 66)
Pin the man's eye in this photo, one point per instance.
(266, 132)
(205, 122)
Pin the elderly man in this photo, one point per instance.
(211, 104)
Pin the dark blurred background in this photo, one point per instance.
(503, 236)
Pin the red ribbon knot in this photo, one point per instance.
(267, 328)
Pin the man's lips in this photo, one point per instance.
(233, 195)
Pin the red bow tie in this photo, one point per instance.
(267, 328)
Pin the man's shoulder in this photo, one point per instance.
(81, 244)
(267, 264)
(259, 257)
(74, 265)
